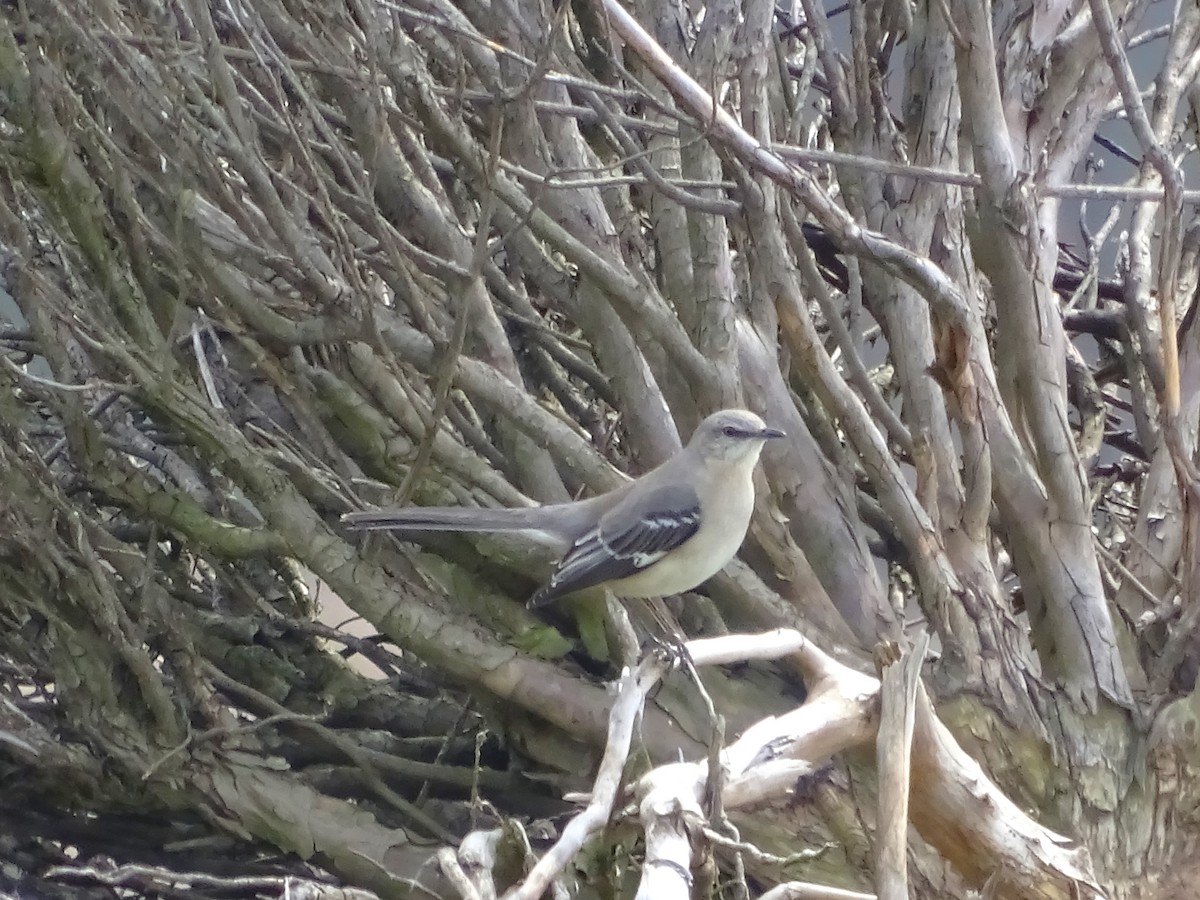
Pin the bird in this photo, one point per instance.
(664, 533)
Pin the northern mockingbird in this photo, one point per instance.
(665, 533)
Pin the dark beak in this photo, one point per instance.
(769, 433)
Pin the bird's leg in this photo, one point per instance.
(663, 629)
(673, 650)
(662, 636)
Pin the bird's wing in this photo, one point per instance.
(633, 535)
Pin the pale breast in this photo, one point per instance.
(707, 552)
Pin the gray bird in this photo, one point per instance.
(662, 534)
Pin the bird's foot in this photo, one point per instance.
(673, 649)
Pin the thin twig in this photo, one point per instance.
(632, 691)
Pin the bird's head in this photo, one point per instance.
(732, 435)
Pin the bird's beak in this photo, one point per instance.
(768, 433)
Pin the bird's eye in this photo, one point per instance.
(729, 431)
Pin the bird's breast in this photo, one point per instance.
(722, 530)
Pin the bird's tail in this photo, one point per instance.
(443, 518)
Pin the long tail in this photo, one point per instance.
(447, 518)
